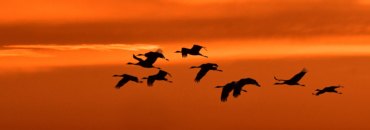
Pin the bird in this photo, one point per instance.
(237, 87)
(327, 89)
(159, 76)
(294, 80)
(153, 56)
(204, 69)
(125, 79)
(193, 51)
(143, 63)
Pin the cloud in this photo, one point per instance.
(145, 21)
(92, 47)
(21, 52)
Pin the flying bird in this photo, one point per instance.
(204, 69)
(125, 79)
(193, 51)
(237, 87)
(153, 56)
(327, 89)
(159, 76)
(294, 80)
(143, 63)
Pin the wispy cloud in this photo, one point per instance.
(89, 46)
(21, 52)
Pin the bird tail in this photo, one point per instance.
(205, 48)
(169, 74)
(219, 86)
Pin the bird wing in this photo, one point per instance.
(243, 82)
(320, 92)
(151, 80)
(200, 74)
(160, 55)
(196, 48)
(213, 64)
(161, 74)
(225, 91)
(154, 54)
(237, 90)
(139, 59)
(159, 50)
(150, 60)
(133, 78)
(122, 82)
(184, 52)
(298, 76)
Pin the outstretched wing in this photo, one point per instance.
(298, 76)
(159, 50)
(133, 78)
(184, 52)
(161, 74)
(243, 82)
(150, 80)
(150, 60)
(209, 65)
(139, 59)
(225, 91)
(320, 92)
(237, 90)
(201, 74)
(196, 48)
(122, 82)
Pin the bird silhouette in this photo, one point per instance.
(159, 76)
(237, 87)
(143, 63)
(327, 89)
(153, 56)
(294, 80)
(125, 79)
(193, 51)
(204, 69)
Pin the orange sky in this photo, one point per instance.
(58, 58)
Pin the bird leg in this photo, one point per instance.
(167, 80)
(204, 56)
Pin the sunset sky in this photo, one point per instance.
(57, 59)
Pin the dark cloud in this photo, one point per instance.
(228, 21)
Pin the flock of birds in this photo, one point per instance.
(236, 87)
